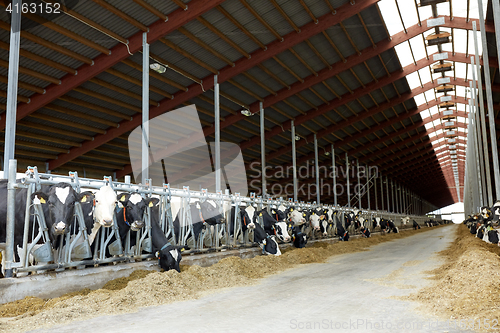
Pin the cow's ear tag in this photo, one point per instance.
(84, 199)
(157, 254)
(314, 213)
(273, 211)
(42, 201)
(260, 214)
(303, 214)
(150, 204)
(123, 197)
(182, 249)
(291, 209)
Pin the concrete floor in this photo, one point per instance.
(349, 293)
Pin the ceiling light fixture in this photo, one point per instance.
(158, 68)
(246, 113)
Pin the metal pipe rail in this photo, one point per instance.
(76, 250)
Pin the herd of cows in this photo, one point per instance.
(269, 226)
(483, 224)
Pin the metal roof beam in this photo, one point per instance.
(241, 65)
(118, 53)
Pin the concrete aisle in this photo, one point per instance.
(349, 293)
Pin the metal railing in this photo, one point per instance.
(76, 249)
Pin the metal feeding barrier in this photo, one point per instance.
(79, 249)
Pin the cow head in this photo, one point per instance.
(210, 212)
(245, 219)
(270, 246)
(104, 206)
(495, 212)
(133, 206)
(282, 232)
(169, 257)
(315, 219)
(61, 200)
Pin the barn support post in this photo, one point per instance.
(376, 192)
(11, 215)
(316, 169)
(483, 119)
(393, 205)
(263, 150)
(334, 171)
(11, 108)
(348, 189)
(477, 131)
(145, 108)
(294, 161)
(360, 191)
(401, 199)
(476, 150)
(473, 162)
(382, 192)
(387, 192)
(487, 79)
(217, 134)
(367, 186)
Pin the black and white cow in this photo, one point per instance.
(203, 214)
(98, 209)
(495, 212)
(315, 219)
(415, 225)
(491, 236)
(246, 222)
(365, 232)
(169, 256)
(57, 202)
(341, 231)
(266, 242)
(130, 216)
(296, 217)
(299, 238)
(392, 227)
(273, 227)
(281, 224)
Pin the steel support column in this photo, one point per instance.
(481, 111)
(11, 110)
(294, 163)
(334, 171)
(347, 178)
(145, 109)
(217, 134)
(489, 98)
(263, 151)
(316, 169)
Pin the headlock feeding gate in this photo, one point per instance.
(81, 247)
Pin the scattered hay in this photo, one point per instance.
(392, 280)
(120, 283)
(412, 263)
(467, 285)
(151, 288)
